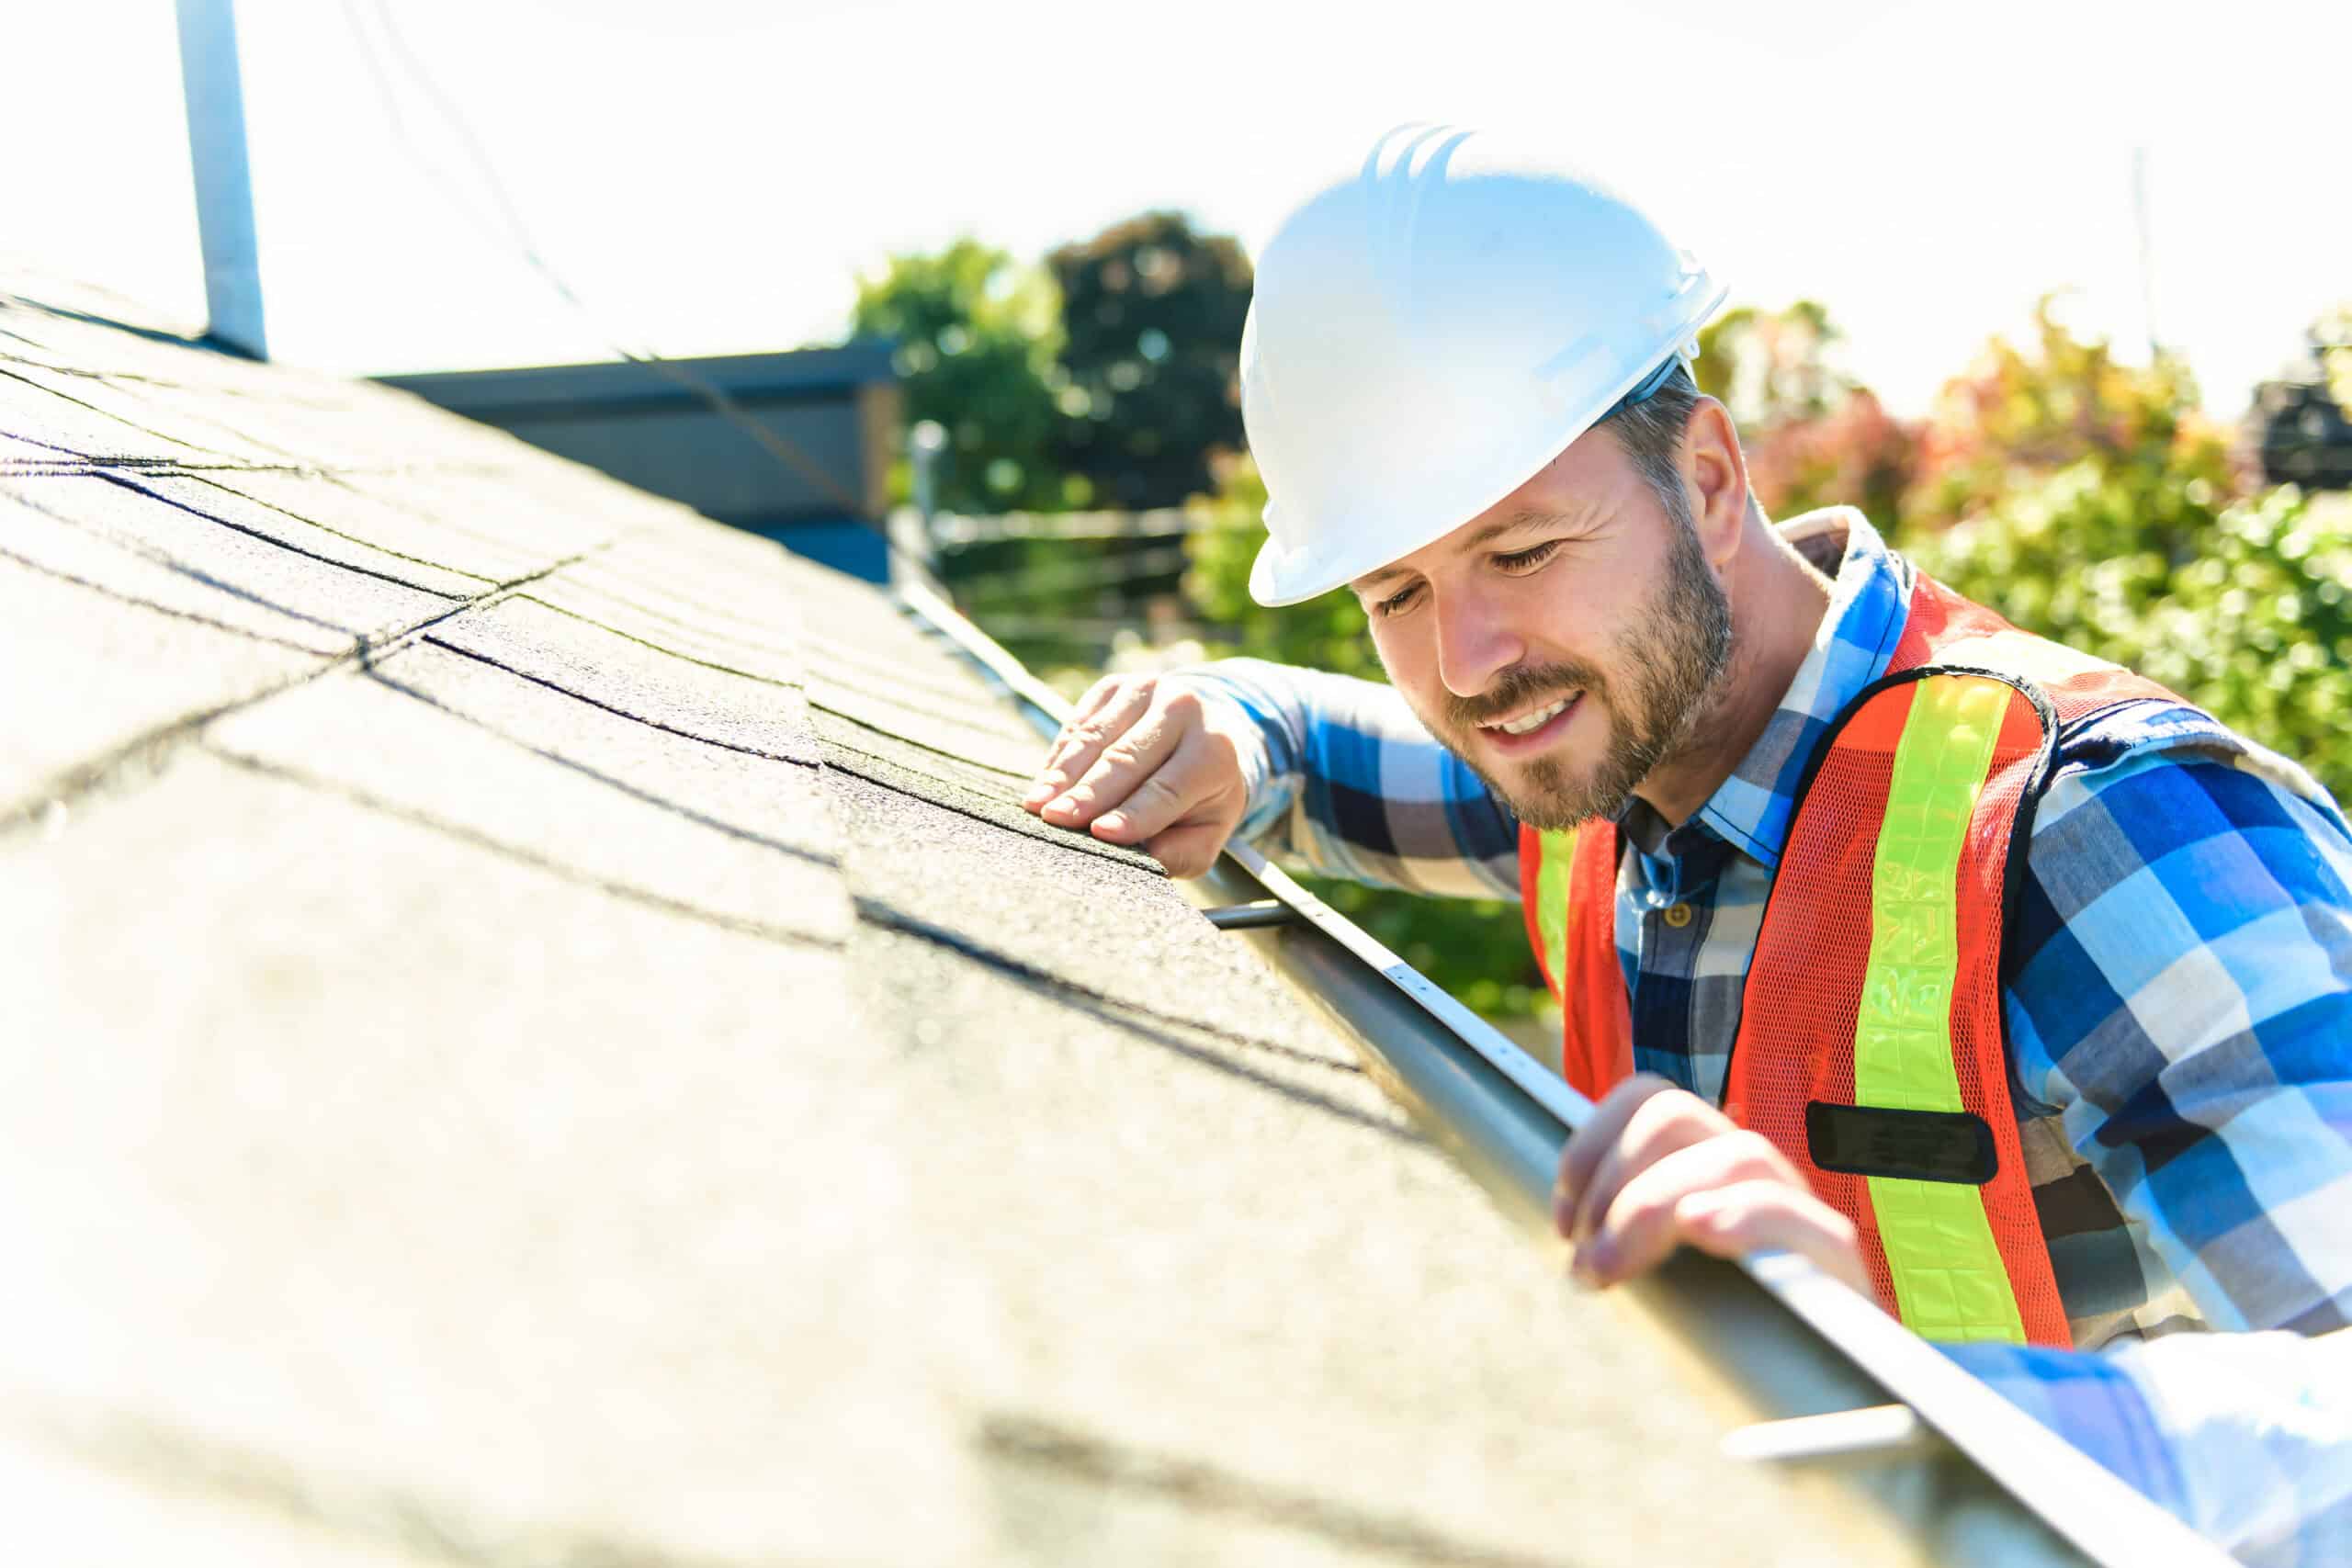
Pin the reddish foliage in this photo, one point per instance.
(1856, 454)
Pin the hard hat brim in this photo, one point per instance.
(1281, 577)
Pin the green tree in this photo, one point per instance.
(1151, 334)
(977, 336)
(2019, 415)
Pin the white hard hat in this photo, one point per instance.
(1426, 335)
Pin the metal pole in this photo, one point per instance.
(926, 450)
(224, 194)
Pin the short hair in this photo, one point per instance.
(1651, 434)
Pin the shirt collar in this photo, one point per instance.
(1869, 599)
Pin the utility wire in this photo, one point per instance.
(519, 236)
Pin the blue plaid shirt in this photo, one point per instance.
(2179, 1018)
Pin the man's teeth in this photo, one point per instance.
(1535, 720)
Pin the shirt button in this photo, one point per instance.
(1677, 914)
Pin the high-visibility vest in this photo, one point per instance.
(1870, 1047)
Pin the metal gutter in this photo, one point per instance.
(1838, 1387)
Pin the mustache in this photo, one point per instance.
(1519, 688)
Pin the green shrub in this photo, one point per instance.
(2242, 610)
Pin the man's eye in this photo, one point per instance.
(1528, 560)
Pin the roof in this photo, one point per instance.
(559, 391)
(538, 1032)
(672, 428)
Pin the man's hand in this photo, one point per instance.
(1657, 1166)
(1146, 761)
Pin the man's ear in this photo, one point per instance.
(1714, 474)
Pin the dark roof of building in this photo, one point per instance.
(538, 1032)
(676, 428)
(565, 388)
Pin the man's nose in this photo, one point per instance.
(1474, 645)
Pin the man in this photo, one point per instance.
(2008, 988)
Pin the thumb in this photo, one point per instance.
(1189, 849)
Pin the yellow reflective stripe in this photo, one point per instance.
(1557, 848)
(1950, 1282)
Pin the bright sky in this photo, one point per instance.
(711, 174)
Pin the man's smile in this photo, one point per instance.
(1531, 727)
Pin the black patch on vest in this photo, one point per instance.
(1918, 1146)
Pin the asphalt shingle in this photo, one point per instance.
(94, 675)
(41, 532)
(599, 666)
(92, 420)
(615, 803)
(461, 555)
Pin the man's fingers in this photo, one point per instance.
(1750, 1216)
(1085, 721)
(1146, 769)
(1596, 1138)
(1104, 689)
(1126, 762)
(1117, 705)
(1641, 1226)
(1174, 790)
(1658, 1124)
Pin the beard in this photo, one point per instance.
(1668, 663)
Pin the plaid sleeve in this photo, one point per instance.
(2183, 1000)
(2246, 1437)
(1348, 784)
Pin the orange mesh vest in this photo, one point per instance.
(1871, 1046)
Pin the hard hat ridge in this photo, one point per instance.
(1440, 322)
